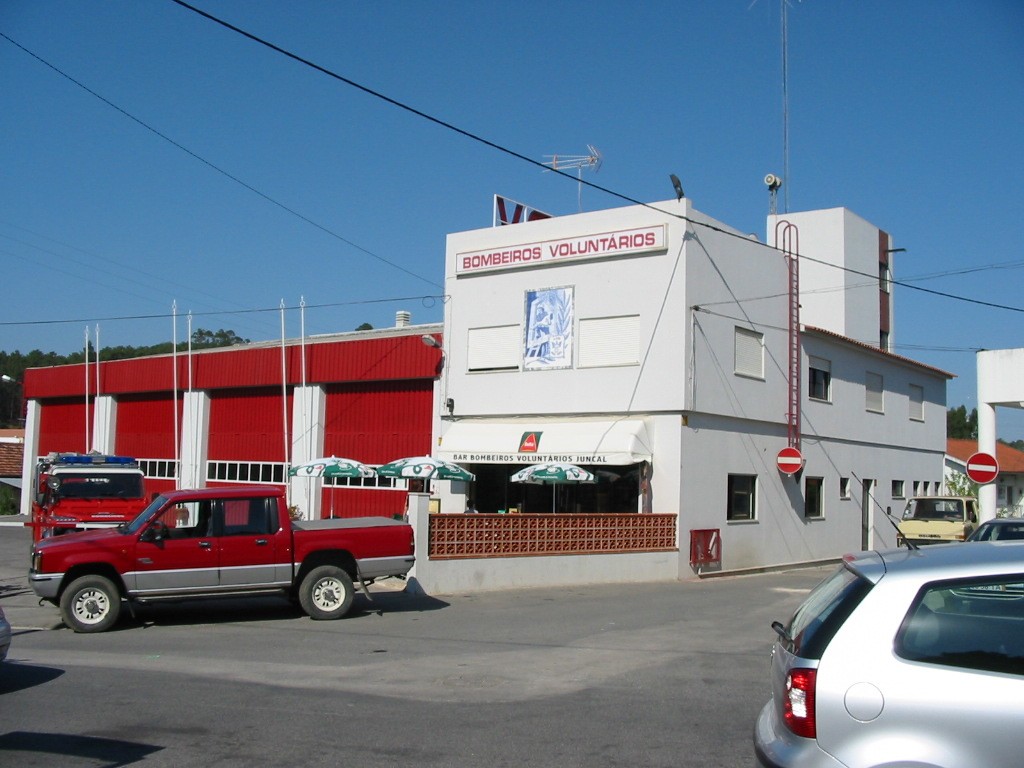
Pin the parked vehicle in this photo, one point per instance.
(910, 657)
(938, 519)
(999, 529)
(5, 635)
(77, 491)
(213, 542)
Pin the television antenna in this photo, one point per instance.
(579, 162)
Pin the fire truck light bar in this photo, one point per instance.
(95, 459)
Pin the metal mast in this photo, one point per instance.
(579, 162)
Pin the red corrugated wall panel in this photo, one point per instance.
(372, 359)
(378, 423)
(62, 426)
(375, 423)
(362, 502)
(247, 425)
(145, 426)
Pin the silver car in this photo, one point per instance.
(902, 658)
(999, 529)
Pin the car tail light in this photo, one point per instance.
(798, 706)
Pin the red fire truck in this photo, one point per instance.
(76, 491)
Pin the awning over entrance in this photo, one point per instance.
(619, 442)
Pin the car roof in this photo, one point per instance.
(939, 561)
(1005, 521)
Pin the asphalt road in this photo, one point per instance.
(654, 674)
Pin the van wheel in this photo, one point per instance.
(90, 604)
(326, 593)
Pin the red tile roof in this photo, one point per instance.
(10, 459)
(1010, 459)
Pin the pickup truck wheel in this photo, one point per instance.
(90, 604)
(326, 593)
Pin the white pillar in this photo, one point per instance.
(30, 455)
(104, 425)
(195, 433)
(987, 443)
(309, 412)
(419, 519)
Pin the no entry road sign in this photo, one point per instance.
(982, 468)
(790, 460)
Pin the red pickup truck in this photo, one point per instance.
(216, 542)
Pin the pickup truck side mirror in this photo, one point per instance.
(157, 531)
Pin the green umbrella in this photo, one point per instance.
(424, 468)
(553, 473)
(332, 466)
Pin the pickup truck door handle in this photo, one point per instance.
(204, 545)
(261, 542)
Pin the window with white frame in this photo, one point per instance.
(844, 487)
(873, 392)
(814, 506)
(916, 402)
(819, 379)
(749, 349)
(742, 497)
(246, 471)
(897, 489)
(159, 469)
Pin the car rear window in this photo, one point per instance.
(818, 619)
(976, 624)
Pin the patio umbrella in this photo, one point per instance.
(553, 474)
(424, 468)
(332, 466)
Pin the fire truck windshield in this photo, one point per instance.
(100, 485)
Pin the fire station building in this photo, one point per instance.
(670, 355)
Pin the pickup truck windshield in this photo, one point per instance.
(136, 525)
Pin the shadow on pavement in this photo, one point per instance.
(30, 748)
(263, 609)
(18, 677)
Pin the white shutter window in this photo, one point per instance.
(873, 392)
(916, 402)
(749, 353)
(494, 349)
(609, 341)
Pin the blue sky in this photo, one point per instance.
(910, 114)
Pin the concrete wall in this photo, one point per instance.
(839, 287)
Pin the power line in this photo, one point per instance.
(219, 313)
(531, 161)
(462, 132)
(217, 168)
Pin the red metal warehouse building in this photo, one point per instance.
(249, 412)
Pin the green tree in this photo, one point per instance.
(959, 484)
(365, 327)
(8, 501)
(962, 425)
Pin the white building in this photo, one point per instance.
(653, 343)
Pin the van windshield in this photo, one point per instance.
(934, 509)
